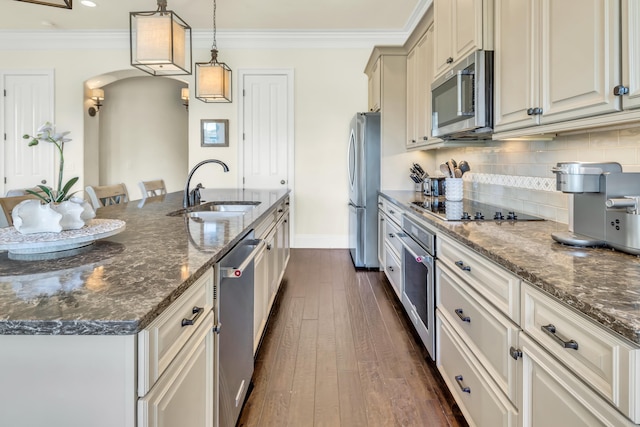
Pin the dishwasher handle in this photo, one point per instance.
(235, 272)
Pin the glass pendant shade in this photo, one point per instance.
(213, 81)
(160, 43)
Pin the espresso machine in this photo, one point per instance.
(606, 205)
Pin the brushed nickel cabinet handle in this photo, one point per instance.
(551, 331)
(197, 311)
(463, 387)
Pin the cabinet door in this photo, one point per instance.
(631, 53)
(184, 394)
(580, 58)
(382, 223)
(467, 27)
(553, 397)
(443, 20)
(516, 80)
(260, 298)
(424, 76)
(412, 112)
(374, 87)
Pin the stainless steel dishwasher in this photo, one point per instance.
(234, 313)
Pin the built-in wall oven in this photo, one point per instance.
(418, 270)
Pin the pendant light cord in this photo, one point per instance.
(214, 46)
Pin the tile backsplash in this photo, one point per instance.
(517, 174)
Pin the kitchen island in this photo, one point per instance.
(90, 339)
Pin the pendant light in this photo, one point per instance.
(213, 78)
(160, 42)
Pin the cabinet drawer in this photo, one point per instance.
(184, 394)
(554, 397)
(497, 285)
(160, 342)
(604, 361)
(481, 402)
(392, 270)
(487, 332)
(391, 238)
(393, 211)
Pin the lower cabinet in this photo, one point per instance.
(480, 400)
(184, 394)
(270, 267)
(553, 397)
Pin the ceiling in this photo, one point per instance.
(231, 15)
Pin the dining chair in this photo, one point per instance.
(106, 195)
(7, 204)
(152, 188)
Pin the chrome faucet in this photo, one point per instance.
(189, 199)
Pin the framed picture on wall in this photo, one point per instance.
(214, 133)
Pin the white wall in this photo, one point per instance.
(330, 86)
(143, 134)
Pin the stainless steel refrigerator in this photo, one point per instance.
(364, 184)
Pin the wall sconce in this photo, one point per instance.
(184, 95)
(97, 95)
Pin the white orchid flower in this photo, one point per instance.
(60, 137)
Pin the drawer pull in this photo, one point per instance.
(551, 331)
(461, 315)
(197, 311)
(390, 268)
(515, 353)
(391, 235)
(463, 387)
(461, 266)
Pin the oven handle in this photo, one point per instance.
(460, 75)
(416, 251)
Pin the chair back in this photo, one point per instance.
(152, 188)
(106, 195)
(7, 204)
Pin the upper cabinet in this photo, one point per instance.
(555, 61)
(419, 76)
(631, 53)
(461, 27)
(374, 86)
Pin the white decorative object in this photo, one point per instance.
(88, 211)
(71, 214)
(20, 244)
(30, 216)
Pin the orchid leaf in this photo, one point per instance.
(38, 195)
(68, 185)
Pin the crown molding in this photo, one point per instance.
(119, 39)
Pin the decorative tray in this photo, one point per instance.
(38, 243)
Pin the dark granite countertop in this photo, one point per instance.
(601, 283)
(121, 283)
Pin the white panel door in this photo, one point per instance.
(28, 103)
(266, 130)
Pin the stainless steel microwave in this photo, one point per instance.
(462, 99)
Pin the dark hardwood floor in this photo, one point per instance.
(338, 352)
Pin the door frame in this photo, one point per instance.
(49, 73)
(289, 73)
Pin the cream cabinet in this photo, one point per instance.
(375, 83)
(553, 397)
(419, 77)
(555, 61)
(461, 27)
(270, 266)
(631, 53)
(184, 395)
(390, 251)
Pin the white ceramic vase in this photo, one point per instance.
(71, 213)
(31, 216)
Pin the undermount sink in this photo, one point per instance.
(212, 211)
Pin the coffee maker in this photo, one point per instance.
(605, 205)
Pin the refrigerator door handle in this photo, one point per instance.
(349, 149)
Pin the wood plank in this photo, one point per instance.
(327, 404)
(352, 403)
(377, 399)
(301, 406)
(282, 374)
(345, 349)
(361, 332)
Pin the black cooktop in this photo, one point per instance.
(469, 210)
